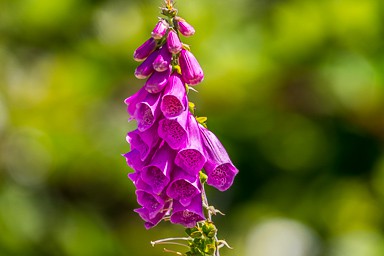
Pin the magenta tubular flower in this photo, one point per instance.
(189, 215)
(163, 60)
(158, 172)
(151, 222)
(183, 188)
(174, 100)
(134, 100)
(152, 202)
(157, 81)
(145, 141)
(174, 131)
(160, 29)
(173, 42)
(135, 177)
(190, 68)
(145, 49)
(133, 160)
(147, 111)
(145, 69)
(185, 28)
(191, 158)
(219, 168)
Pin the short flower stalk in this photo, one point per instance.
(173, 154)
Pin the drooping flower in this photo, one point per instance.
(191, 158)
(133, 160)
(150, 220)
(158, 172)
(160, 29)
(163, 60)
(144, 141)
(145, 49)
(184, 27)
(174, 131)
(135, 99)
(183, 187)
(150, 201)
(191, 70)
(174, 100)
(173, 42)
(220, 170)
(145, 69)
(157, 81)
(147, 111)
(188, 215)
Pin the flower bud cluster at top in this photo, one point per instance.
(170, 147)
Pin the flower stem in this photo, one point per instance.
(169, 241)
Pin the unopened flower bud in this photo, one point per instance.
(157, 81)
(145, 49)
(190, 68)
(185, 28)
(160, 29)
(163, 60)
(145, 69)
(173, 42)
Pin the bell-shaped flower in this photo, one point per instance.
(190, 68)
(219, 168)
(154, 203)
(184, 27)
(191, 158)
(158, 172)
(147, 111)
(145, 69)
(160, 29)
(151, 222)
(133, 160)
(174, 131)
(145, 49)
(133, 100)
(163, 60)
(182, 187)
(144, 141)
(173, 42)
(157, 81)
(189, 215)
(135, 177)
(174, 100)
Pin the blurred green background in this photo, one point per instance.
(294, 89)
